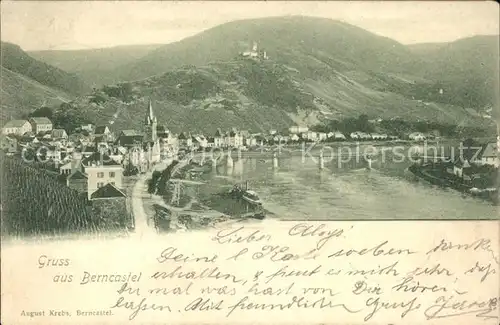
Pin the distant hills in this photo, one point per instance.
(21, 95)
(92, 64)
(18, 61)
(319, 69)
(28, 84)
(285, 39)
(467, 70)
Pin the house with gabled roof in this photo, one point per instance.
(101, 169)
(218, 138)
(234, 138)
(460, 165)
(77, 181)
(110, 202)
(103, 133)
(59, 134)
(185, 139)
(489, 154)
(250, 141)
(40, 124)
(18, 127)
(102, 130)
(129, 138)
(108, 191)
(72, 163)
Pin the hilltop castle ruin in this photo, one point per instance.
(254, 53)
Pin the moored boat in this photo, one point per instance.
(251, 197)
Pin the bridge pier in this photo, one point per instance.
(275, 160)
(229, 160)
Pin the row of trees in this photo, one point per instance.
(158, 182)
(67, 116)
(347, 125)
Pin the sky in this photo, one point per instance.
(46, 25)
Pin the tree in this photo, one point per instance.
(43, 111)
(364, 124)
(471, 148)
(69, 117)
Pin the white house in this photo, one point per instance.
(218, 139)
(201, 141)
(185, 140)
(101, 170)
(458, 167)
(489, 155)
(18, 127)
(358, 135)
(234, 139)
(298, 129)
(59, 134)
(87, 127)
(250, 141)
(322, 136)
(336, 136)
(40, 124)
(168, 140)
(310, 135)
(416, 136)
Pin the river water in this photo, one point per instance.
(297, 189)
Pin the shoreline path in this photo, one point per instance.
(143, 215)
(142, 203)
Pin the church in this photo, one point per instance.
(143, 149)
(151, 143)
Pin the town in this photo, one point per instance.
(94, 159)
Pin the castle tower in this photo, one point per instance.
(254, 48)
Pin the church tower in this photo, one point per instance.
(152, 141)
(151, 124)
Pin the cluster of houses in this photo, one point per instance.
(33, 126)
(486, 161)
(92, 164)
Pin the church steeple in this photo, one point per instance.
(150, 117)
(151, 123)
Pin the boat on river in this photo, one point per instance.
(251, 197)
(245, 194)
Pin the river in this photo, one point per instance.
(297, 189)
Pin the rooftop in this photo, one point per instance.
(15, 123)
(41, 120)
(490, 150)
(100, 159)
(101, 129)
(129, 133)
(78, 175)
(108, 191)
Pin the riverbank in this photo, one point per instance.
(436, 174)
(177, 210)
